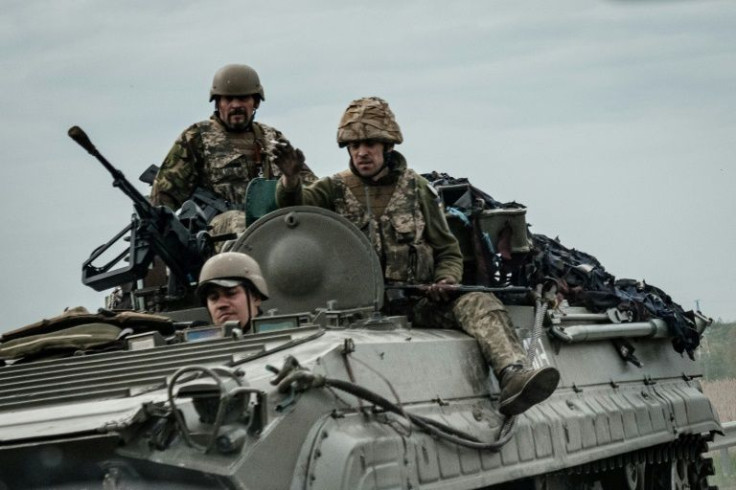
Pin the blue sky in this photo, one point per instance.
(613, 121)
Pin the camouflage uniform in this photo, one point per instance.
(208, 155)
(400, 214)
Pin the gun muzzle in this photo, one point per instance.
(77, 134)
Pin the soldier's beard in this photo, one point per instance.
(240, 125)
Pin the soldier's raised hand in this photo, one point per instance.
(288, 159)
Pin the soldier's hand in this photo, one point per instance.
(440, 291)
(288, 159)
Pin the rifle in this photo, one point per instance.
(183, 245)
(457, 288)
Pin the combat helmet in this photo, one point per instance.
(230, 269)
(236, 80)
(369, 118)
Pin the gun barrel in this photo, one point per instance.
(142, 205)
(460, 288)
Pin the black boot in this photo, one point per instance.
(522, 387)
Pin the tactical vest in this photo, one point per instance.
(397, 235)
(232, 160)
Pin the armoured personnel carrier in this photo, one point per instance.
(327, 392)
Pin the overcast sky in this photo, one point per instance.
(613, 121)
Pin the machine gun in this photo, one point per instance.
(183, 244)
(210, 203)
(260, 199)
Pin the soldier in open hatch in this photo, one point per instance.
(232, 286)
(223, 154)
(399, 212)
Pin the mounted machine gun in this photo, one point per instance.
(180, 239)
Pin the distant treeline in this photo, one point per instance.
(718, 351)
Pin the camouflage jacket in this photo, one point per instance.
(207, 155)
(411, 235)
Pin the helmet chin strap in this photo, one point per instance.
(247, 326)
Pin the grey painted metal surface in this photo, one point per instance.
(437, 374)
(151, 418)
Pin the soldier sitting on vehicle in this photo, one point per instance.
(397, 209)
(223, 154)
(232, 287)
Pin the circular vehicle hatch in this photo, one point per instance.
(310, 256)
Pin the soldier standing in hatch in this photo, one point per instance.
(399, 212)
(232, 287)
(224, 153)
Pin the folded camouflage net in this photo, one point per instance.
(81, 337)
(77, 330)
(137, 321)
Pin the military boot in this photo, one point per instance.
(522, 387)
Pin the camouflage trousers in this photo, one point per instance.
(480, 315)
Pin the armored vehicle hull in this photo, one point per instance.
(351, 399)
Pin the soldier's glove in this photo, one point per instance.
(288, 159)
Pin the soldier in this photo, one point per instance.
(232, 286)
(399, 212)
(223, 154)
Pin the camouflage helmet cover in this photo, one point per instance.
(369, 118)
(230, 269)
(236, 80)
